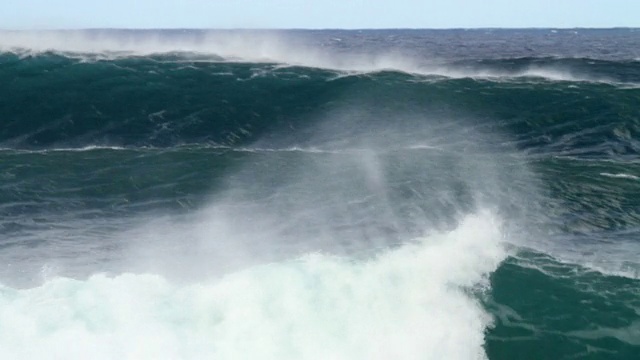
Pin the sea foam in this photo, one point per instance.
(415, 301)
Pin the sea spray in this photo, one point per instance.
(411, 302)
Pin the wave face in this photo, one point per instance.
(417, 194)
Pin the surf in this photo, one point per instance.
(410, 302)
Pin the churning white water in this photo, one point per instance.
(409, 302)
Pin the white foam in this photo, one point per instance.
(620, 176)
(628, 334)
(311, 150)
(406, 303)
(70, 149)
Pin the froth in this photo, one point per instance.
(411, 302)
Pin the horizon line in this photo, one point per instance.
(324, 29)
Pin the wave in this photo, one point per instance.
(244, 46)
(57, 102)
(280, 47)
(275, 197)
(412, 302)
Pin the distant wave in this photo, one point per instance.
(278, 47)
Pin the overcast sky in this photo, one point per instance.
(47, 14)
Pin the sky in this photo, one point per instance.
(348, 14)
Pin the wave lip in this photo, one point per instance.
(409, 303)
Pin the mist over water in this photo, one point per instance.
(360, 190)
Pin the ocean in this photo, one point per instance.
(320, 194)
